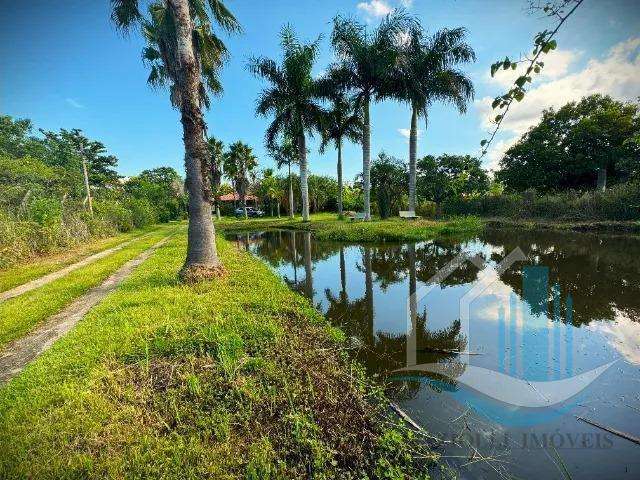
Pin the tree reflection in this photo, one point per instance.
(602, 273)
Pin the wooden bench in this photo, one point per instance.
(409, 214)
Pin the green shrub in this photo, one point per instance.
(142, 212)
(620, 202)
(426, 209)
(115, 213)
(45, 211)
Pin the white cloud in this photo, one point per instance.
(556, 64)
(74, 103)
(375, 8)
(623, 335)
(616, 74)
(405, 132)
(406, 3)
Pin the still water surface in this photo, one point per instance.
(572, 306)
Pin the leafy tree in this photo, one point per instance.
(344, 120)
(388, 182)
(323, 191)
(16, 139)
(426, 73)
(164, 176)
(185, 54)
(365, 61)
(239, 163)
(162, 189)
(292, 99)
(568, 146)
(450, 175)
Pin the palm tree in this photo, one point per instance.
(285, 153)
(365, 61)
(216, 153)
(342, 121)
(239, 162)
(292, 99)
(425, 74)
(185, 54)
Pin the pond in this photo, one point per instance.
(495, 344)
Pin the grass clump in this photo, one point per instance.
(237, 377)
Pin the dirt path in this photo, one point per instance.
(39, 282)
(18, 353)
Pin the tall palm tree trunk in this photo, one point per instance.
(366, 160)
(340, 178)
(343, 273)
(413, 153)
(291, 207)
(201, 245)
(412, 326)
(304, 188)
(308, 267)
(368, 283)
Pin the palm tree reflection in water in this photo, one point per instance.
(382, 266)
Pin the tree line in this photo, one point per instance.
(59, 188)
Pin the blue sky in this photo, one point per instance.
(64, 66)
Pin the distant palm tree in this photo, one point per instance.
(216, 152)
(285, 153)
(239, 162)
(185, 54)
(365, 61)
(344, 120)
(425, 73)
(291, 98)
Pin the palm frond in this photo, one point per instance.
(125, 13)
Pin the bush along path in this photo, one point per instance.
(39, 282)
(21, 314)
(17, 354)
(233, 378)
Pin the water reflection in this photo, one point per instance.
(581, 312)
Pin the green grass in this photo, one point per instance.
(329, 227)
(608, 226)
(38, 267)
(238, 377)
(20, 314)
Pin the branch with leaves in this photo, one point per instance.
(543, 43)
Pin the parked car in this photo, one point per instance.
(251, 212)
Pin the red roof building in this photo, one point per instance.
(234, 197)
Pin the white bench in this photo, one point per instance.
(358, 216)
(410, 214)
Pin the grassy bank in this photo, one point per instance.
(575, 226)
(235, 378)
(329, 227)
(20, 314)
(18, 274)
